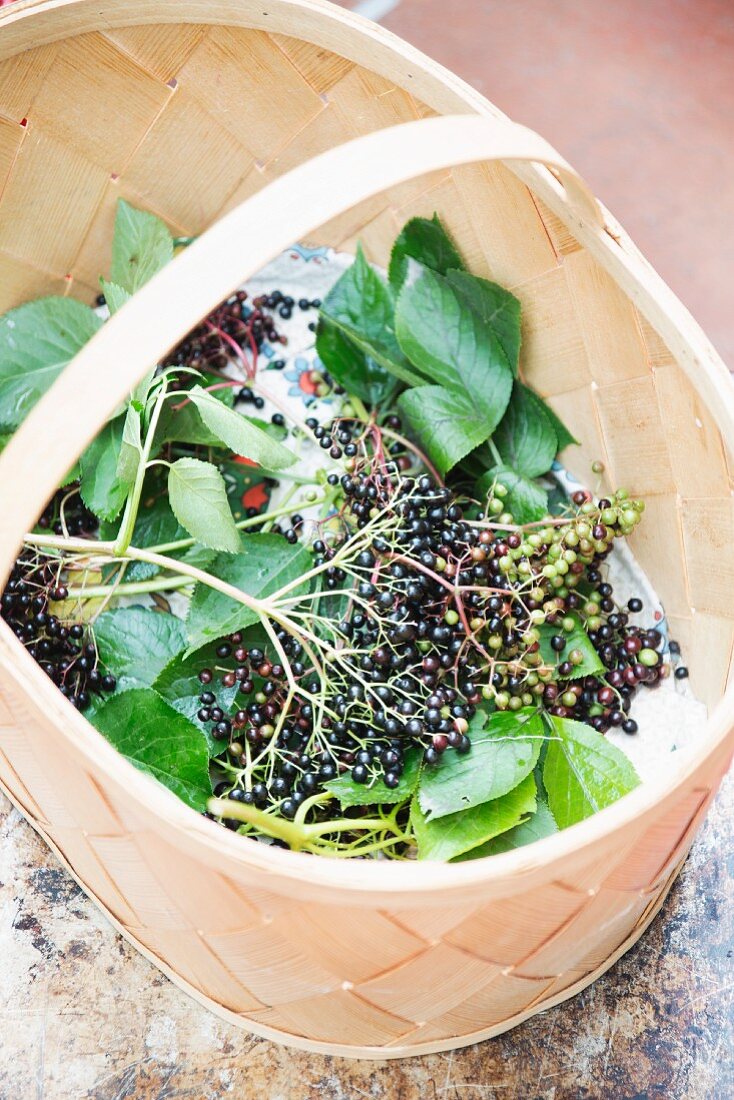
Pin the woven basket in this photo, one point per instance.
(190, 110)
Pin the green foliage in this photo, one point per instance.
(265, 564)
(158, 740)
(136, 643)
(105, 480)
(198, 498)
(361, 307)
(583, 772)
(526, 500)
(37, 340)
(576, 639)
(450, 837)
(538, 826)
(141, 246)
(427, 242)
(376, 793)
(505, 749)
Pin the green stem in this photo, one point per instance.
(244, 524)
(294, 836)
(360, 408)
(129, 588)
(125, 534)
(495, 453)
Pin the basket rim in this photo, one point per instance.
(35, 22)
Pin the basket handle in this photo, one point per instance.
(107, 368)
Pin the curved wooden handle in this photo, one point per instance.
(104, 372)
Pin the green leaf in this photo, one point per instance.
(238, 433)
(563, 436)
(198, 498)
(136, 643)
(540, 825)
(526, 437)
(37, 341)
(266, 563)
(495, 307)
(178, 683)
(446, 424)
(575, 639)
(583, 772)
(426, 241)
(184, 424)
(115, 295)
(503, 752)
(158, 740)
(527, 501)
(452, 836)
(360, 305)
(155, 525)
(141, 246)
(443, 337)
(349, 365)
(376, 793)
(102, 488)
(131, 447)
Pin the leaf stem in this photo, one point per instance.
(125, 534)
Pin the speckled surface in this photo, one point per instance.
(82, 1015)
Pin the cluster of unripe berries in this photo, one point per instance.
(447, 614)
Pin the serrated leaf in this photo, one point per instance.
(141, 246)
(349, 365)
(442, 336)
(198, 499)
(563, 435)
(265, 564)
(447, 425)
(426, 241)
(158, 740)
(238, 433)
(37, 340)
(376, 793)
(583, 772)
(136, 643)
(575, 639)
(540, 825)
(495, 307)
(115, 296)
(526, 436)
(181, 422)
(178, 683)
(505, 748)
(527, 501)
(460, 834)
(361, 306)
(102, 488)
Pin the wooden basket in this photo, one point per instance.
(190, 109)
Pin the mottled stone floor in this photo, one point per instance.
(82, 1015)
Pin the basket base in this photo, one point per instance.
(340, 1050)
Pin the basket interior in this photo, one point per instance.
(188, 121)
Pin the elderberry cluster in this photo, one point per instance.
(64, 650)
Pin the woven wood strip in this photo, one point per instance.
(188, 120)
